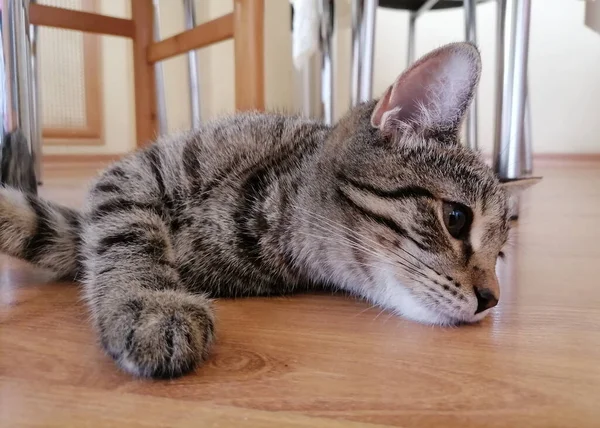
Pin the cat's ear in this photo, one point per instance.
(433, 94)
(514, 186)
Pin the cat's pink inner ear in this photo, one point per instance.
(381, 108)
(432, 94)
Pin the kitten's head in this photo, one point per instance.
(428, 217)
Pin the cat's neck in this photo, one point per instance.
(320, 242)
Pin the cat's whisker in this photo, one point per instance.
(349, 230)
(356, 263)
(435, 306)
(428, 303)
(369, 251)
(376, 255)
(353, 244)
(458, 291)
(365, 310)
(350, 243)
(428, 287)
(343, 228)
(346, 229)
(441, 302)
(378, 315)
(337, 226)
(389, 317)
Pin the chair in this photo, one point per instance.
(361, 90)
(419, 7)
(17, 58)
(512, 149)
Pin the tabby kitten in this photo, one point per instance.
(387, 204)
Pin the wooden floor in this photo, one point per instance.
(328, 361)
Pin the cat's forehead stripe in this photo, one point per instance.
(411, 191)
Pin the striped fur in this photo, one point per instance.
(264, 204)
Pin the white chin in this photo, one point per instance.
(413, 310)
(406, 305)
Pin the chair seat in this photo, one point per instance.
(414, 5)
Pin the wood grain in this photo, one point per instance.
(90, 134)
(249, 54)
(330, 360)
(203, 35)
(69, 19)
(146, 125)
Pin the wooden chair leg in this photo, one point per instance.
(248, 34)
(144, 78)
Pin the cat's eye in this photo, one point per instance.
(457, 219)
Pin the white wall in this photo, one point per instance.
(564, 68)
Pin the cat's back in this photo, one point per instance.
(212, 165)
(234, 175)
(235, 143)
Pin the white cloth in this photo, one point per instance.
(305, 35)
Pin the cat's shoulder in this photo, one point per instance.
(248, 131)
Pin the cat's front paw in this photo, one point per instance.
(160, 334)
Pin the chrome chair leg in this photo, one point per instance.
(513, 41)
(19, 142)
(527, 135)
(471, 36)
(189, 10)
(412, 19)
(363, 46)
(326, 34)
(512, 54)
(36, 106)
(410, 53)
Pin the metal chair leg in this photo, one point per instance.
(19, 142)
(326, 34)
(471, 36)
(36, 115)
(412, 19)
(512, 53)
(512, 79)
(363, 46)
(527, 135)
(410, 53)
(189, 11)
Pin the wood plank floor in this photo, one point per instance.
(329, 361)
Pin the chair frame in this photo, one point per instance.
(512, 153)
(245, 25)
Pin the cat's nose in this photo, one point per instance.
(485, 299)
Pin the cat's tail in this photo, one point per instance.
(40, 232)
